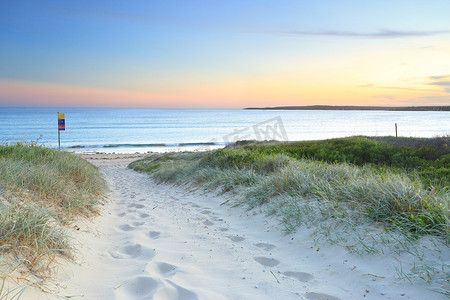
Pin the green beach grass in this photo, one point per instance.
(378, 196)
(398, 183)
(41, 191)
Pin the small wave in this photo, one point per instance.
(146, 145)
(163, 145)
(133, 145)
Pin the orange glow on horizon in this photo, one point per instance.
(22, 93)
(215, 93)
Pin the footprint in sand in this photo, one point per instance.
(205, 212)
(130, 226)
(137, 224)
(266, 261)
(195, 205)
(132, 251)
(136, 205)
(265, 246)
(236, 238)
(166, 269)
(301, 276)
(208, 223)
(127, 251)
(126, 227)
(154, 234)
(143, 215)
(223, 229)
(175, 292)
(139, 288)
(320, 296)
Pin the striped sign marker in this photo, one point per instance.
(61, 121)
(61, 126)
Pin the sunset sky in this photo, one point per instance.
(224, 54)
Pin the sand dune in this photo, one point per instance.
(164, 242)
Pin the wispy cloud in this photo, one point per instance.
(440, 80)
(381, 34)
(441, 83)
(405, 88)
(438, 77)
(395, 88)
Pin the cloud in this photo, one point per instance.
(439, 77)
(441, 83)
(405, 88)
(440, 80)
(376, 34)
(396, 88)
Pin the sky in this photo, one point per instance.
(224, 54)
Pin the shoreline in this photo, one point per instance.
(140, 150)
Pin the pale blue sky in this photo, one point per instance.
(167, 46)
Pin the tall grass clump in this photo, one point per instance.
(41, 191)
(427, 158)
(378, 196)
(265, 174)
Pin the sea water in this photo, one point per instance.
(142, 130)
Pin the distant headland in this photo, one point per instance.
(333, 107)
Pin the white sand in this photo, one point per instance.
(164, 242)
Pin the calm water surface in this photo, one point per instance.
(131, 130)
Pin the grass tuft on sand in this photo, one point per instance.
(41, 191)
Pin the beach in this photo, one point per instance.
(159, 241)
(224, 150)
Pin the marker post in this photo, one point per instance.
(61, 126)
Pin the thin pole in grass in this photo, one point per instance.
(59, 141)
(396, 130)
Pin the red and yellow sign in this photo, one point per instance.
(61, 121)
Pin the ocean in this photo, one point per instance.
(141, 130)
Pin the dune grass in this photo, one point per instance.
(427, 158)
(264, 174)
(41, 192)
(367, 205)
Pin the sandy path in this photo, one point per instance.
(163, 242)
(172, 244)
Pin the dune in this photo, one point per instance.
(176, 242)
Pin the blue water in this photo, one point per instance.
(141, 130)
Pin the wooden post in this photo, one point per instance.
(59, 137)
(396, 135)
